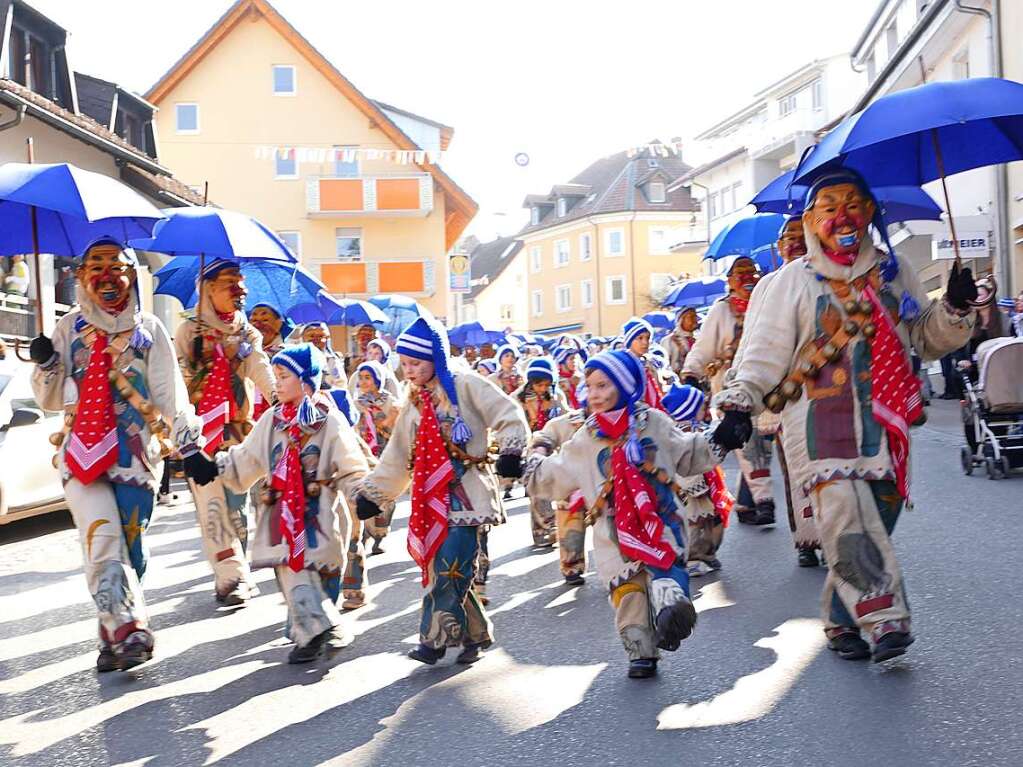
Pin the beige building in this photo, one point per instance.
(351, 184)
(498, 296)
(598, 249)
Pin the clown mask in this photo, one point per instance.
(742, 278)
(791, 242)
(839, 217)
(267, 322)
(688, 321)
(317, 336)
(364, 335)
(227, 291)
(107, 275)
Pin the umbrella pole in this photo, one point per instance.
(944, 188)
(36, 271)
(197, 342)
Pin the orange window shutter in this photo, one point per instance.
(402, 277)
(341, 194)
(397, 194)
(344, 278)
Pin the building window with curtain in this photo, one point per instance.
(348, 243)
(293, 240)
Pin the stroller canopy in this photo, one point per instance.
(1000, 362)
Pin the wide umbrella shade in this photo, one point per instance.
(474, 334)
(73, 207)
(897, 203)
(976, 122)
(215, 233)
(527, 339)
(318, 311)
(659, 320)
(698, 292)
(276, 283)
(746, 236)
(353, 312)
(401, 311)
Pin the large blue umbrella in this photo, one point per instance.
(353, 312)
(279, 284)
(214, 233)
(474, 334)
(898, 203)
(660, 320)
(746, 236)
(401, 311)
(698, 292)
(319, 310)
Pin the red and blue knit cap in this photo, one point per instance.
(635, 327)
(626, 373)
(426, 340)
(542, 368)
(306, 362)
(504, 349)
(683, 402)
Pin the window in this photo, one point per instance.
(659, 240)
(536, 302)
(284, 80)
(346, 161)
(737, 195)
(586, 291)
(563, 297)
(348, 243)
(186, 118)
(817, 95)
(615, 242)
(293, 240)
(656, 192)
(534, 215)
(585, 247)
(786, 104)
(535, 259)
(614, 292)
(507, 313)
(892, 37)
(562, 207)
(285, 164)
(561, 253)
(712, 204)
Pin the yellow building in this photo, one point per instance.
(598, 249)
(351, 184)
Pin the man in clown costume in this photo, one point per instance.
(830, 352)
(274, 327)
(112, 370)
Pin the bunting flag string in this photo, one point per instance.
(310, 154)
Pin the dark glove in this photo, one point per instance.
(961, 289)
(691, 381)
(40, 351)
(200, 468)
(509, 466)
(734, 430)
(365, 508)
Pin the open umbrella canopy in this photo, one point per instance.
(746, 236)
(279, 284)
(660, 320)
(975, 122)
(353, 312)
(73, 208)
(319, 310)
(401, 311)
(474, 334)
(698, 292)
(215, 233)
(527, 339)
(898, 203)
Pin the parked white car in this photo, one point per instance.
(29, 484)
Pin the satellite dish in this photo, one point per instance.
(522, 159)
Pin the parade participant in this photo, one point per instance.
(832, 356)
(309, 460)
(708, 502)
(443, 432)
(661, 366)
(274, 328)
(542, 401)
(222, 360)
(682, 338)
(334, 376)
(364, 336)
(507, 378)
(624, 461)
(16, 281)
(378, 352)
(568, 373)
(378, 408)
(637, 335)
(710, 358)
(111, 368)
(486, 368)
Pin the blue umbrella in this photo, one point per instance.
(660, 320)
(898, 203)
(746, 236)
(276, 283)
(527, 339)
(319, 310)
(698, 292)
(401, 311)
(353, 312)
(214, 233)
(474, 334)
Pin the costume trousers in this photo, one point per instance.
(111, 519)
(571, 539)
(855, 518)
(706, 530)
(482, 570)
(355, 580)
(800, 510)
(224, 530)
(452, 612)
(311, 611)
(755, 463)
(542, 520)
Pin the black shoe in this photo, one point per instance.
(106, 660)
(426, 655)
(134, 651)
(675, 623)
(642, 668)
(377, 549)
(746, 515)
(765, 513)
(507, 494)
(235, 595)
(849, 646)
(808, 558)
(574, 579)
(713, 563)
(891, 645)
(311, 651)
(469, 655)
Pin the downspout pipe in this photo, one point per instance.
(14, 122)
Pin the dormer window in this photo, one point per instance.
(651, 163)
(562, 207)
(534, 215)
(656, 191)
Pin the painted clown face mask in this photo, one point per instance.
(839, 218)
(107, 276)
(688, 321)
(742, 278)
(266, 321)
(792, 243)
(227, 291)
(317, 336)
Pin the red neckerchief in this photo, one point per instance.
(895, 392)
(639, 528)
(92, 446)
(718, 493)
(369, 432)
(510, 380)
(842, 259)
(541, 415)
(216, 407)
(740, 305)
(566, 377)
(287, 479)
(432, 473)
(652, 392)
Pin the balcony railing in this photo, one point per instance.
(372, 277)
(760, 137)
(380, 196)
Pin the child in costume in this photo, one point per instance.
(507, 378)
(112, 370)
(637, 335)
(377, 406)
(308, 459)
(682, 338)
(624, 460)
(443, 433)
(568, 372)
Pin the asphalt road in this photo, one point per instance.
(755, 685)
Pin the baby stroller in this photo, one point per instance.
(993, 408)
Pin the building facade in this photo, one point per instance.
(498, 297)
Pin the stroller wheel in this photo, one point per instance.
(994, 468)
(1006, 466)
(966, 458)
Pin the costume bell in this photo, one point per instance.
(443, 433)
(832, 356)
(624, 461)
(112, 370)
(222, 359)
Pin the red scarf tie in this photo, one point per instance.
(432, 473)
(541, 415)
(639, 527)
(287, 479)
(217, 405)
(895, 392)
(718, 493)
(566, 377)
(370, 431)
(652, 394)
(259, 406)
(92, 446)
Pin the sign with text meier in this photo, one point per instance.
(971, 245)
